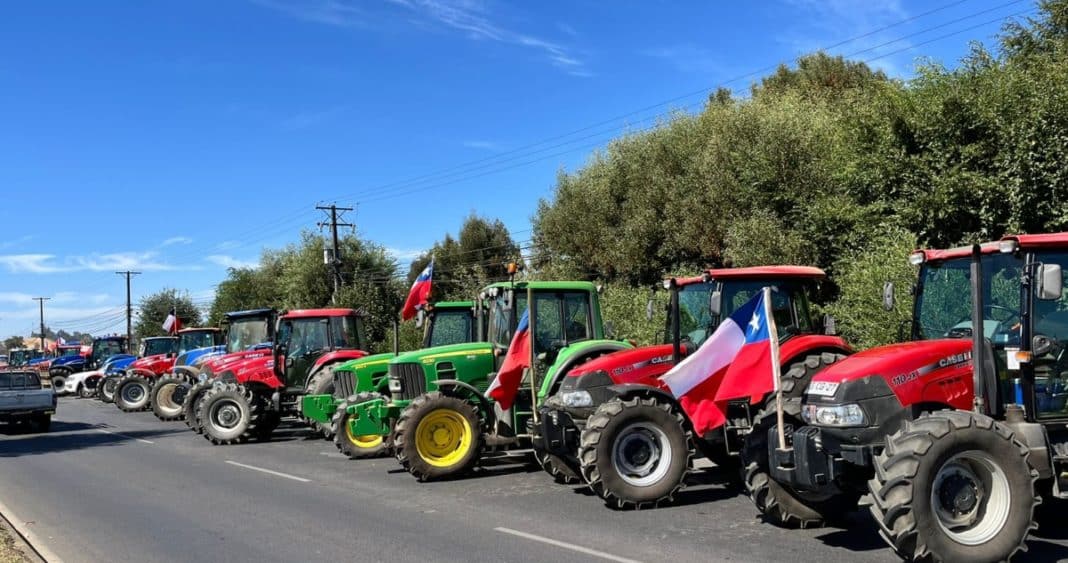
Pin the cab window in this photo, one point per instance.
(1051, 368)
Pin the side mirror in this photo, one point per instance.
(830, 326)
(420, 318)
(1050, 282)
(888, 296)
(1041, 345)
(715, 303)
(649, 309)
(610, 330)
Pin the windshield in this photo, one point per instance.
(74, 351)
(695, 319)
(197, 339)
(944, 303)
(154, 346)
(245, 333)
(104, 348)
(304, 336)
(451, 327)
(345, 332)
(501, 320)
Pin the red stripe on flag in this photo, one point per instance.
(700, 405)
(749, 375)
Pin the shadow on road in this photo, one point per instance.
(69, 436)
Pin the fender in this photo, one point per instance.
(142, 372)
(186, 371)
(483, 403)
(805, 344)
(575, 354)
(334, 357)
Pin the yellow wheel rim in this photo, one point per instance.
(365, 441)
(443, 437)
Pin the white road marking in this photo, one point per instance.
(125, 436)
(566, 545)
(270, 472)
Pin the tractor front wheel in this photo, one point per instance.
(133, 393)
(85, 391)
(438, 436)
(163, 404)
(58, 381)
(230, 413)
(191, 405)
(105, 390)
(357, 447)
(636, 452)
(954, 486)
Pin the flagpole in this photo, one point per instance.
(533, 355)
(776, 368)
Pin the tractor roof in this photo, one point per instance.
(161, 338)
(757, 272)
(453, 305)
(199, 329)
(1045, 240)
(249, 313)
(536, 285)
(306, 313)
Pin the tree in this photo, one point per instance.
(465, 264)
(12, 342)
(154, 308)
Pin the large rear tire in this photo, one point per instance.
(230, 414)
(105, 390)
(133, 393)
(322, 383)
(191, 405)
(636, 452)
(954, 486)
(778, 503)
(358, 447)
(438, 436)
(163, 404)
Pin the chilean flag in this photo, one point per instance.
(725, 364)
(506, 385)
(172, 324)
(417, 296)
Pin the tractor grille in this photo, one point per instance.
(344, 384)
(412, 380)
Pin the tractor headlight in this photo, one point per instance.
(576, 399)
(395, 385)
(833, 415)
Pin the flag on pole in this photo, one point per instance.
(506, 385)
(60, 341)
(172, 324)
(755, 370)
(420, 292)
(698, 380)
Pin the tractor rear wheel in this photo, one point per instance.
(322, 383)
(163, 404)
(230, 414)
(636, 452)
(85, 391)
(133, 393)
(780, 504)
(105, 390)
(438, 436)
(357, 447)
(954, 486)
(191, 405)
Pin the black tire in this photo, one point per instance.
(946, 452)
(642, 428)
(321, 383)
(230, 413)
(105, 390)
(191, 405)
(163, 404)
(427, 410)
(779, 504)
(133, 393)
(358, 447)
(559, 469)
(58, 382)
(85, 391)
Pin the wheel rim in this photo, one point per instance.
(641, 454)
(971, 497)
(364, 441)
(133, 393)
(165, 399)
(443, 437)
(225, 415)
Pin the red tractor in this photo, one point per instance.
(615, 423)
(248, 399)
(955, 434)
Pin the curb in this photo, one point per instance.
(23, 535)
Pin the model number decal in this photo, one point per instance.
(823, 388)
(948, 361)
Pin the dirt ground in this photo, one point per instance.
(9, 549)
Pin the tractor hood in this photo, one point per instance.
(68, 361)
(190, 357)
(637, 365)
(220, 363)
(159, 363)
(359, 363)
(432, 355)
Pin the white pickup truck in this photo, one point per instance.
(23, 399)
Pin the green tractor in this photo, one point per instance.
(437, 416)
(446, 322)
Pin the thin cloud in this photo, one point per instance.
(228, 245)
(483, 145)
(335, 13)
(404, 255)
(50, 264)
(827, 22)
(176, 240)
(16, 242)
(231, 262)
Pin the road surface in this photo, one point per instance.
(110, 486)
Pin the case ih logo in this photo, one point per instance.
(948, 361)
(633, 367)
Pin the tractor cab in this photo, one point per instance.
(452, 322)
(308, 337)
(196, 338)
(245, 329)
(104, 347)
(157, 346)
(64, 351)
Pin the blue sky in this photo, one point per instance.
(180, 138)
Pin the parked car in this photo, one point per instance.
(23, 399)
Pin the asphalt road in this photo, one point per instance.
(109, 486)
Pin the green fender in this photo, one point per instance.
(575, 355)
(370, 376)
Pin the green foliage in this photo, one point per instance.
(154, 308)
(465, 264)
(626, 308)
(12, 342)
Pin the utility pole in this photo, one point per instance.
(129, 306)
(335, 260)
(41, 300)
